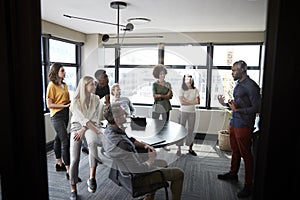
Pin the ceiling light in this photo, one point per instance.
(138, 20)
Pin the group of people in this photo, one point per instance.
(245, 106)
(85, 121)
(85, 124)
(189, 97)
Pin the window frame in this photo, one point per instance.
(46, 64)
(209, 66)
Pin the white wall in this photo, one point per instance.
(62, 32)
(90, 55)
(49, 130)
(207, 121)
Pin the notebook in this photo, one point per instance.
(138, 123)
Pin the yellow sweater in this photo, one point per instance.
(59, 95)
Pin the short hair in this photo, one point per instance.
(241, 64)
(112, 88)
(110, 111)
(107, 113)
(99, 72)
(157, 69)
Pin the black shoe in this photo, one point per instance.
(68, 177)
(245, 192)
(192, 152)
(85, 150)
(92, 185)
(61, 167)
(228, 176)
(99, 161)
(73, 195)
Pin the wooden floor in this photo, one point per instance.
(200, 176)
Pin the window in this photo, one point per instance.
(64, 52)
(187, 59)
(139, 56)
(212, 74)
(223, 58)
(187, 55)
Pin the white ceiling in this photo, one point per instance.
(165, 15)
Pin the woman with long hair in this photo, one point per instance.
(85, 109)
(189, 97)
(58, 102)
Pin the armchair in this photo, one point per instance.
(138, 184)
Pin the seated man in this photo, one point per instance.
(124, 102)
(119, 146)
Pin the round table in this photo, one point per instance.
(158, 133)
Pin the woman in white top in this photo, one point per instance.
(85, 109)
(189, 97)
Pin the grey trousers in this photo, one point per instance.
(93, 140)
(61, 141)
(189, 119)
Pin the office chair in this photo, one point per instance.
(138, 184)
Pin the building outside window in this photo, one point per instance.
(64, 52)
(212, 74)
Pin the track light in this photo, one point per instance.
(129, 27)
(105, 37)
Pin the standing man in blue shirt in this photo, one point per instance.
(244, 106)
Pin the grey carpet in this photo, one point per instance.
(200, 176)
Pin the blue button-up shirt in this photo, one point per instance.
(247, 100)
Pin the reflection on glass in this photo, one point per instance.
(62, 51)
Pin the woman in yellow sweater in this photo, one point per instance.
(58, 102)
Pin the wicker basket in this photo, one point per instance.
(223, 139)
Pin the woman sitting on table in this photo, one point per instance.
(85, 109)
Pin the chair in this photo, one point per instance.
(138, 184)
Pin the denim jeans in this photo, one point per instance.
(62, 139)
